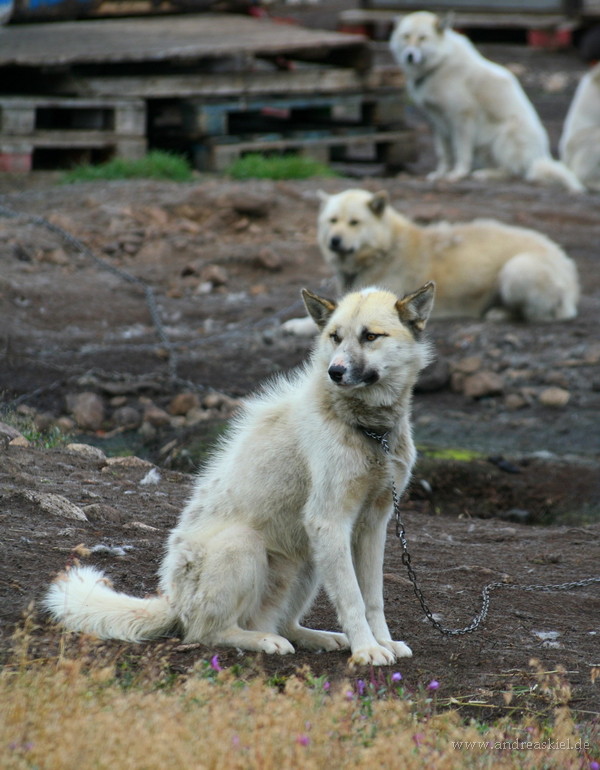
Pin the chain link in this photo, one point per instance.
(479, 618)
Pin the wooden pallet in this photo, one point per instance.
(377, 23)
(390, 149)
(78, 128)
(302, 112)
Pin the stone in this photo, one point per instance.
(99, 512)
(9, 431)
(554, 397)
(483, 384)
(156, 416)
(19, 441)
(55, 505)
(87, 409)
(214, 274)
(93, 452)
(515, 401)
(127, 417)
(183, 403)
(468, 365)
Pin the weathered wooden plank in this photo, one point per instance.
(25, 115)
(184, 38)
(217, 154)
(356, 18)
(66, 139)
(317, 80)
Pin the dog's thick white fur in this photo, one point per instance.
(580, 141)
(296, 497)
(476, 265)
(478, 111)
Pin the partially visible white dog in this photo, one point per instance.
(580, 141)
(478, 111)
(298, 496)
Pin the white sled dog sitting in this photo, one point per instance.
(296, 497)
(478, 111)
(579, 145)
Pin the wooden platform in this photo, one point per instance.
(213, 86)
(183, 39)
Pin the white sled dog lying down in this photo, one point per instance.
(296, 497)
(580, 141)
(476, 266)
(482, 268)
(478, 111)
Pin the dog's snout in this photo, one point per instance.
(336, 372)
(413, 55)
(335, 243)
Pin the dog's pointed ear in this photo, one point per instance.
(445, 22)
(378, 202)
(319, 308)
(414, 309)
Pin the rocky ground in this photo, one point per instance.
(141, 337)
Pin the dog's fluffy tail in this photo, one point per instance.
(83, 600)
(550, 171)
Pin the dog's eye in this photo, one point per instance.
(354, 222)
(335, 337)
(333, 221)
(368, 336)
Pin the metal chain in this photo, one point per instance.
(486, 590)
(78, 245)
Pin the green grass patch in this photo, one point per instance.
(157, 164)
(257, 166)
(451, 453)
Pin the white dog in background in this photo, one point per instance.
(478, 110)
(580, 141)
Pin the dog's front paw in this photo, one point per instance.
(399, 649)
(456, 175)
(273, 644)
(299, 327)
(372, 656)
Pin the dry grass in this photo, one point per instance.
(65, 713)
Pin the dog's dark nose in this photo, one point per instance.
(337, 372)
(335, 243)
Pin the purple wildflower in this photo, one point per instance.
(360, 686)
(594, 765)
(396, 676)
(433, 685)
(214, 663)
(303, 739)
(418, 738)
(326, 686)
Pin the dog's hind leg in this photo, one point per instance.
(533, 290)
(218, 584)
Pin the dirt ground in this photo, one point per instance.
(507, 484)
